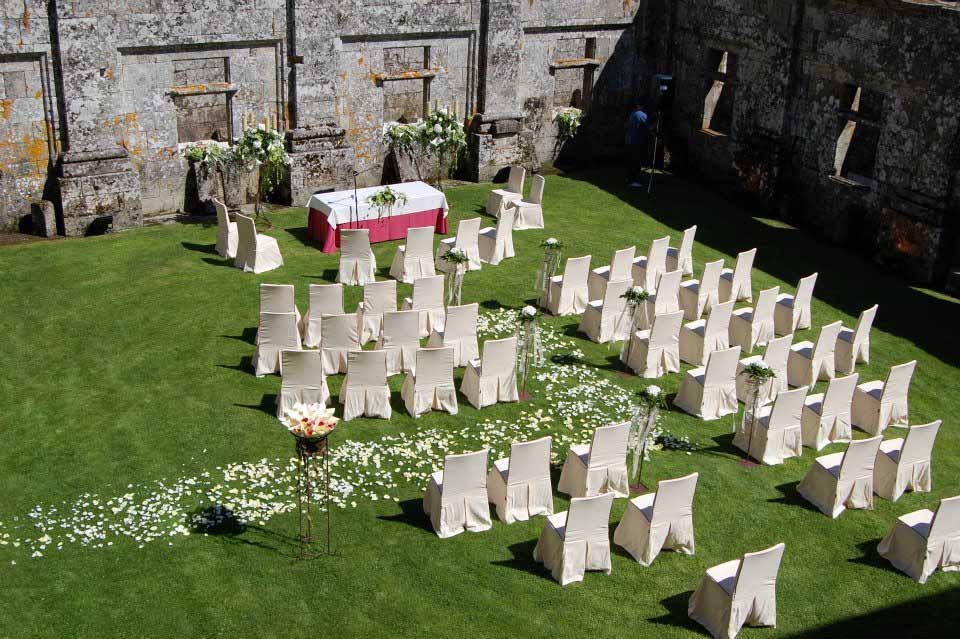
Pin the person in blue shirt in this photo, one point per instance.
(636, 140)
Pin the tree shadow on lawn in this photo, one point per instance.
(523, 560)
(677, 616)
(791, 497)
(871, 557)
(249, 335)
(411, 513)
(202, 248)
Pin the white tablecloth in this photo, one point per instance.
(337, 205)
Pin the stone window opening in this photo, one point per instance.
(855, 152)
(573, 69)
(202, 96)
(718, 103)
(406, 81)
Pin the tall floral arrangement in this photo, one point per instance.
(445, 138)
(459, 259)
(645, 415)
(262, 147)
(568, 123)
(529, 343)
(408, 140)
(758, 374)
(636, 297)
(552, 252)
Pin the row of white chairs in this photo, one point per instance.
(239, 241)
(527, 214)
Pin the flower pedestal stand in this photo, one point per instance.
(313, 495)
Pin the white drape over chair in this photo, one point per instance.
(922, 541)
(303, 381)
(339, 334)
(577, 540)
(459, 332)
(653, 353)
(775, 356)
(665, 300)
(256, 253)
(493, 378)
(279, 298)
(277, 332)
(364, 391)
(358, 265)
(826, 416)
(467, 240)
(776, 432)
(699, 296)
(226, 232)
(608, 319)
(879, 404)
(701, 337)
(682, 259)
(854, 345)
(512, 192)
(567, 294)
(710, 392)
(456, 497)
(496, 242)
(844, 480)
(905, 463)
(809, 362)
(647, 268)
(431, 386)
(414, 259)
(751, 327)
(618, 269)
(427, 300)
(659, 521)
(400, 339)
(598, 467)
(378, 298)
(738, 593)
(325, 299)
(519, 487)
(737, 284)
(529, 213)
(793, 312)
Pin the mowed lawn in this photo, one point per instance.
(126, 360)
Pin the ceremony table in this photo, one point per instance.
(332, 212)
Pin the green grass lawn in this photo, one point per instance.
(126, 370)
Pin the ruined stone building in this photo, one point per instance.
(841, 114)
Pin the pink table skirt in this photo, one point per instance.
(385, 229)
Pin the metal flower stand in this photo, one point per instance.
(313, 495)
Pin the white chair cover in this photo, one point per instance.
(459, 332)
(414, 259)
(358, 265)
(400, 339)
(456, 497)
(737, 284)
(654, 353)
(659, 521)
(226, 232)
(325, 299)
(496, 242)
(598, 467)
(647, 268)
(701, 337)
(809, 363)
(877, 404)
(826, 416)
(618, 269)
(854, 345)
(738, 593)
(567, 294)
(752, 327)
(494, 378)
(710, 392)
(431, 386)
(519, 487)
(776, 432)
(775, 356)
(793, 313)
(378, 298)
(699, 296)
(608, 319)
(905, 463)
(427, 300)
(279, 298)
(682, 259)
(303, 381)
(665, 300)
(577, 540)
(842, 480)
(529, 213)
(364, 391)
(922, 541)
(512, 192)
(277, 332)
(467, 240)
(255, 253)
(338, 336)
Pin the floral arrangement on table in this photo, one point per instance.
(568, 122)
(441, 136)
(459, 258)
(552, 252)
(646, 413)
(262, 147)
(309, 421)
(529, 343)
(385, 199)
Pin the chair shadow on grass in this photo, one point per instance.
(327, 275)
(249, 335)
(791, 497)
(723, 447)
(219, 261)
(523, 561)
(871, 557)
(202, 248)
(268, 404)
(411, 513)
(245, 365)
(677, 616)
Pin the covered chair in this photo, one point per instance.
(905, 463)
(738, 593)
(325, 299)
(493, 378)
(647, 268)
(776, 431)
(364, 391)
(877, 404)
(529, 213)
(654, 353)
(775, 356)
(608, 319)
(682, 259)
(496, 242)
(618, 269)
(598, 467)
(303, 381)
(519, 486)
(752, 327)
(922, 541)
(710, 392)
(414, 259)
(467, 240)
(427, 300)
(459, 332)
(844, 480)
(793, 312)
(431, 386)
(277, 332)
(808, 362)
(278, 298)
(576, 540)
(699, 296)
(826, 416)
(659, 521)
(339, 335)
(400, 339)
(737, 284)
(226, 232)
(456, 497)
(665, 300)
(378, 298)
(255, 253)
(512, 192)
(854, 345)
(567, 294)
(358, 265)
(700, 338)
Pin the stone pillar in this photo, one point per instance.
(95, 185)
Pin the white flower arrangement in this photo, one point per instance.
(528, 312)
(309, 421)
